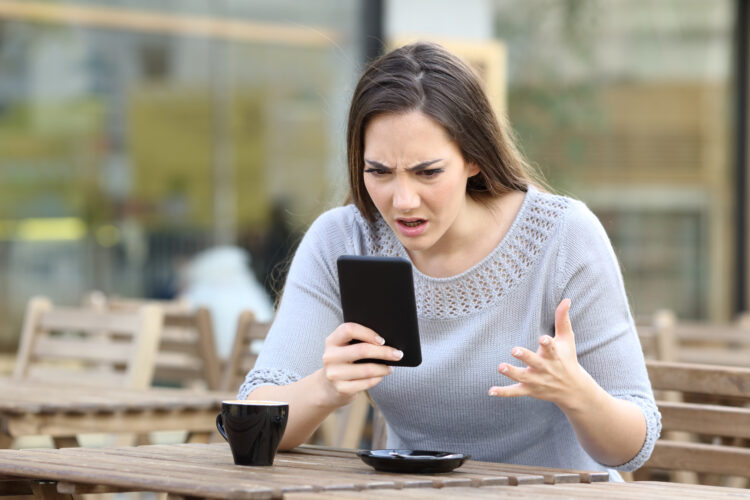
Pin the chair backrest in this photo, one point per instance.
(379, 429)
(187, 351)
(713, 343)
(120, 303)
(88, 346)
(656, 334)
(247, 340)
(666, 339)
(713, 411)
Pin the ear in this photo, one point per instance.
(473, 169)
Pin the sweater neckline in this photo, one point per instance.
(487, 281)
(530, 192)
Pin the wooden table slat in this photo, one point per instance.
(581, 491)
(191, 470)
(350, 467)
(456, 478)
(208, 470)
(196, 462)
(145, 421)
(677, 491)
(550, 475)
(496, 472)
(32, 465)
(182, 464)
(35, 397)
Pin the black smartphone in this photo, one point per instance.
(378, 292)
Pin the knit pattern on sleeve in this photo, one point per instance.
(495, 276)
(653, 430)
(260, 377)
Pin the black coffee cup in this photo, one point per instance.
(253, 429)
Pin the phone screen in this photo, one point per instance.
(378, 292)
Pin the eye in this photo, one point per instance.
(431, 172)
(376, 171)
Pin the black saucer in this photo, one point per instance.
(412, 461)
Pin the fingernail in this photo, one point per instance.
(398, 354)
(493, 393)
(516, 352)
(503, 369)
(390, 369)
(380, 340)
(545, 340)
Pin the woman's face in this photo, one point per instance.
(416, 177)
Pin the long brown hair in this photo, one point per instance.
(426, 77)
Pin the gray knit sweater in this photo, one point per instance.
(555, 248)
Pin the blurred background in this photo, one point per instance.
(136, 134)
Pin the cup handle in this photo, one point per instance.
(220, 426)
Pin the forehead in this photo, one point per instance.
(410, 133)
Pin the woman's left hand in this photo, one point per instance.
(552, 372)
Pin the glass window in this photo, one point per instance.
(626, 105)
(136, 133)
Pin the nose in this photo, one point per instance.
(405, 197)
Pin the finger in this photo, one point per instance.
(346, 332)
(508, 391)
(354, 386)
(361, 350)
(512, 372)
(563, 328)
(549, 348)
(532, 359)
(346, 372)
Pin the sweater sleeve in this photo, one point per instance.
(607, 343)
(309, 309)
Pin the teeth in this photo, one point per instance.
(412, 223)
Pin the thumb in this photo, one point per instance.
(563, 327)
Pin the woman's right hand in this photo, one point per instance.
(343, 377)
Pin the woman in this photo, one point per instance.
(529, 350)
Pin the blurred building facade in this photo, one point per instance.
(134, 134)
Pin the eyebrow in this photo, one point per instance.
(416, 168)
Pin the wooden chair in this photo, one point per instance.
(84, 346)
(247, 340)
(379, 429)
(99, 300)
(665, 338)
(343, 429)
(656, 334)
(186, 356)
(717, 434)
(187, 351)
(720, 344)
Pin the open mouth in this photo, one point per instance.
(414, 223)
(411, 222)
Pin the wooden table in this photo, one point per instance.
(31, 408)
(306, 473)
(581, 491)
(207, 470)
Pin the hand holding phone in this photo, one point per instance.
(378, 292)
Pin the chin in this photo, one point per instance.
(414, 245)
